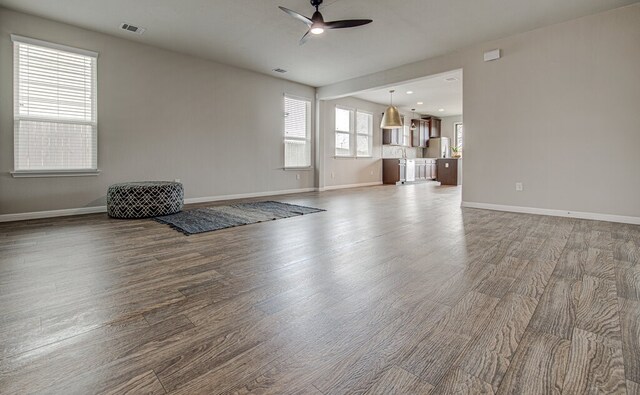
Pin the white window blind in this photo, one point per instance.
(297, 132)
(55, 113)
(364, 129)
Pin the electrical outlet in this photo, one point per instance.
(519, 187)
(333, 175)
(177, 180)
(297, 176)
(371, 172)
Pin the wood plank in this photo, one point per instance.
(430, 358)
(630, 323)
(396, 380)
(595, 366)
(457, 381)
(538, 367)
(556, 311)
(146, 383)
(489, 354)
(597, 310)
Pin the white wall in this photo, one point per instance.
(559, 113)
(162, 115)
(350, 171)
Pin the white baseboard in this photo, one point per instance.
(103, 209)
(364, 184)
(246, 195)
(556, 213)
(52, 213)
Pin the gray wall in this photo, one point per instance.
(350, 171)
(559, 113)
(161, 115)
(447, 128)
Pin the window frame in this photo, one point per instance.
(350, 133)
(17, 118)
(307, 139)
(369, 134)
(458, 135)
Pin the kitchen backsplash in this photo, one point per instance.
(394, 151)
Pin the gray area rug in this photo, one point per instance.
(206, 219)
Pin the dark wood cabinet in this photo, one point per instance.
(420, 134)
(392, 136)
(433, 128)
(393, 171)
(449, 171)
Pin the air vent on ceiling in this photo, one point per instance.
(131, 28)
(279, 70)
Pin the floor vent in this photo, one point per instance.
(131, 28)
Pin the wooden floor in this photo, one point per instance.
(391, 290)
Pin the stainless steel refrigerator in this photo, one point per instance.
(438, 148)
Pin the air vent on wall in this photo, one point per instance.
(279, 70)
(131, 28)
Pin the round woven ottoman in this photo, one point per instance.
(144, 199)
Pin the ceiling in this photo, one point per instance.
(436, 92)
(256, 35)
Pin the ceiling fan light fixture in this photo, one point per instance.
(317, 30)
(391, 117)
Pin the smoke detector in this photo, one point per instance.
(132, 29)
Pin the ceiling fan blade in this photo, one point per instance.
(305, 38)
(299, 17)
(346, 23)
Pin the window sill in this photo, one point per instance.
(53, 173)
(308, 168)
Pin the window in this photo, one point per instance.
(55, 120)
(297, 132)
(458, 135)
(344, 123)
(364, 129)
(354, 133)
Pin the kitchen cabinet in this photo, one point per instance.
(420, 170)
(434, 127)
(449, 171)
(401, 171)
(420, 134)
(392, 136)
(394, 171)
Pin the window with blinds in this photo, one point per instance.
(55, 120)
(297, 132)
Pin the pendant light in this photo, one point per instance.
(413, 117)
(391, 117)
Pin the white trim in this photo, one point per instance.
(53, 173)
(52, 213)
(47, 44)
(345, 186)
(556, 213)
(245, 195)
(103, 209)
